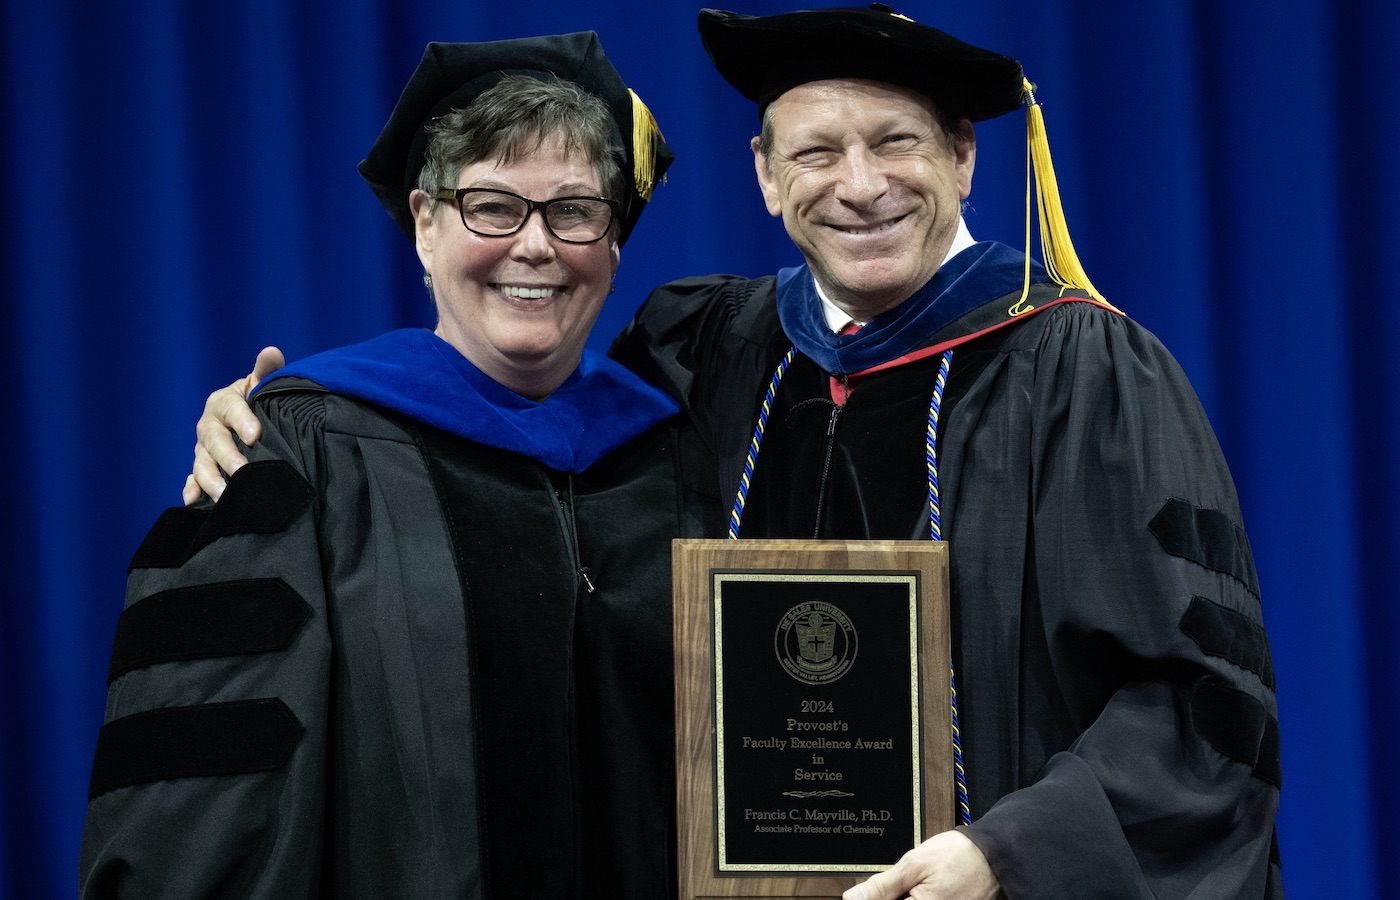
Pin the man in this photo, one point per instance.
(1115, 692)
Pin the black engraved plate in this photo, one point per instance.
(816, 720)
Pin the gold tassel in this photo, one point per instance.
(1061, 262)
(646, 134)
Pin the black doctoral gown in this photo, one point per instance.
(1118, 718)
(392, 662)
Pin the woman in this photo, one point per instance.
(421, 647)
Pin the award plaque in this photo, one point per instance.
(813, 716)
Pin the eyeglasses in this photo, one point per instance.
(493, 213)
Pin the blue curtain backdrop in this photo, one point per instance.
(180, 189)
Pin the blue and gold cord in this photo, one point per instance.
(959, 775)
(736, 515)
(934, 520)
(935, 530)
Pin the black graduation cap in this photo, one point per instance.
(451, 76)
(763, 56)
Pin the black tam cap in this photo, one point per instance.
(763, 56)
(451, 76)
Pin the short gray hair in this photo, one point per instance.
(510, 120)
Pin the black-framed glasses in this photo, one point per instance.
(494, 213)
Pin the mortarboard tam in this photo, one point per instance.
(451, 76)
(764, 56)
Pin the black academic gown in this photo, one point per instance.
(402, 664)
(1118, 718)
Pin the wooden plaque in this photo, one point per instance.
(813, 715)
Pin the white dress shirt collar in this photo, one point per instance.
(836, 317)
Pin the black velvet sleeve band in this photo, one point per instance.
(263, 497)
(1208, 538)
(205, 621)
(1239, 727)
(1226, 634)
(235, 738)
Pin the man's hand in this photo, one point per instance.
(225, 412)
(947, 866)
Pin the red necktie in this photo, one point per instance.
(841, 388)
